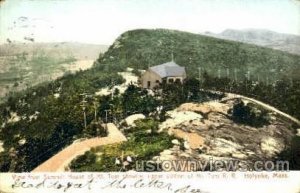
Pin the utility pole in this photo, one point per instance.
(227, 72)
(83, 105)
(172, 56)
(292, 84)
(106, 115)
(248, 75)
(200, 83)
(112, 91)
(96, 105)
(246, 81)
(199, 68)
(148, 58)
(219, 73)
(235, 75)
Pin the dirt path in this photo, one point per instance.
(58, 162)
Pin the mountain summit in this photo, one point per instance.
(144, 48)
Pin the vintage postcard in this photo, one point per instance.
(171, 96)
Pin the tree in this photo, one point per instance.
(249, 114)
(192, 89)
(138, 100)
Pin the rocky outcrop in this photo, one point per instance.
(210, 133)
(178, 117)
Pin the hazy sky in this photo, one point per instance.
(101, 21)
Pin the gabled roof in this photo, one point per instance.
(168, 69)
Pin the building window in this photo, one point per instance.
(148, 84)
(157, 81)
(171, 80)
(177, 80)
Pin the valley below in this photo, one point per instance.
(26, 65)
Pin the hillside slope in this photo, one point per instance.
(143, 48)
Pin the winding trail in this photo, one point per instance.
(61, 160)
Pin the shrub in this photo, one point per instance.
(147, 124)
(83, 160)
(249, 114)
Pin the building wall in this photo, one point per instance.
(172, 79)
(152, 77)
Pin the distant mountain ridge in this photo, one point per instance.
(279, 41)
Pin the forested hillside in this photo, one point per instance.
(263, 73)
(143, 48)
(37, 123)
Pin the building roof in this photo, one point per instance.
(168, 69)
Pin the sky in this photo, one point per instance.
(102, 21)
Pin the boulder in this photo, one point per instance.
(22, 141)
(132, 118)
(175, 142)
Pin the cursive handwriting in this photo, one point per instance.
(18, 183)
(152, 184)
(91, 184)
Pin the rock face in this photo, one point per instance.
(204, 108)
(194, 140)
(178, 117)
(210, 133)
